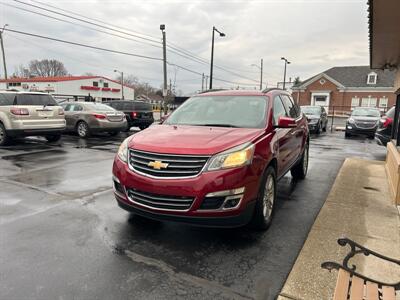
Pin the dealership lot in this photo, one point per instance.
(63, 236)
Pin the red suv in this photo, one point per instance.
(215, 161)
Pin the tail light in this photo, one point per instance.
(61, 112)
(19, 111)
(134, 114)
(386, 121)
(99, 116)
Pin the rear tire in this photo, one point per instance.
(318, 131)
(299, 171)
(4, 138)
(326, 125)
(82, 128)
(264, 208)
(53, 138)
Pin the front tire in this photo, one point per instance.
(53, 138)
(347, 135)
(4, 138)
(264, 208)
(299, 171)
(83, 129)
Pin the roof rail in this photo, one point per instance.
(213, 90)
(271, 89)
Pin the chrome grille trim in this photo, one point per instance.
(159, 202)
(365, 124)
(179, 166)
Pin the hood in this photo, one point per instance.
(311, 116)
(184, 139)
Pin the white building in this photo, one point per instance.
(72, 87)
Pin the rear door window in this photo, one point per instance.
(292, 109)
(7, 99)
(35, 99)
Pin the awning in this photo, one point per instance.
(384, 33)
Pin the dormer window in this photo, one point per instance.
(372, 78)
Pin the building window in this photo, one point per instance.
(355, 101)
(14, 84)
(372, 78)
(320, 98)
(95, 83)
(383, 102)
(368, 102)
(105, 84)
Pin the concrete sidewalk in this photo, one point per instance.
(358, 207)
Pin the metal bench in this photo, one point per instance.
(354, 286)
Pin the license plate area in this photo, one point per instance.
(45, 113)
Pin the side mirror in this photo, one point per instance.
(285, 122)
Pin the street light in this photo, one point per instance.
(221, 34)
(4, 55)
(284, 74)
(261, 70)
(122, 83)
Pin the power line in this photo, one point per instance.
(118, 52)
(186, 53)
(83, 45)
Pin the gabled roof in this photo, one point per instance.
(353, 76)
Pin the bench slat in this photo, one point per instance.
(388, 293)
(357, 288)
(342, 285)
(372, 291)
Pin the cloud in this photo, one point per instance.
(313, 35)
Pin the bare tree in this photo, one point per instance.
(141, 88)
(21, 72)
(47, 68)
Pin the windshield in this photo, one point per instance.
(310, 110)
(98, 107)
(366, 112)
(35, 99)
(222, 111)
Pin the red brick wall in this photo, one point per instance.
(341, 100)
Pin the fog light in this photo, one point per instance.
(231, 203)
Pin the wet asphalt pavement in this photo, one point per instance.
(62, 235)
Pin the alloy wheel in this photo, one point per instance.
(82, 129)
(269, 197)
(305, 159)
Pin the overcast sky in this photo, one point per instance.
(313, 35)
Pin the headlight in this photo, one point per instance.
(351, 121)
(236, 157)
(123, 150)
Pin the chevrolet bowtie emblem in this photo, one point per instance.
(158, 165)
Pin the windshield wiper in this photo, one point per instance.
(218, 125)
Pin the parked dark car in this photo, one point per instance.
(363, 121)
(317, 118)
(384, 130)
(137, 113)
(215, 161)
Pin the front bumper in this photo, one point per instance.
(313, 127)
(197, 187)
(33, 132)
(352, 129)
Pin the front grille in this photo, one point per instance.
(166, 165)
(160, 201)
(365, 124)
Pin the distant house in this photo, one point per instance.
(99, 88)
(343, 88)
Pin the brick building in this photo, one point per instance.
(343, 88)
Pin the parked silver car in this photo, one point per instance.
(86, 118)
(27, 113)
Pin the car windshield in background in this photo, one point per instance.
(311, 110)
(221, 111)
(99, 107)
(35, 99)
(366, 112)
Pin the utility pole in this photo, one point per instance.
(162, 28)
(284, 74)
(202, 82)
(4, 55)
(221, 34)
(206, 80)
(122, 85)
